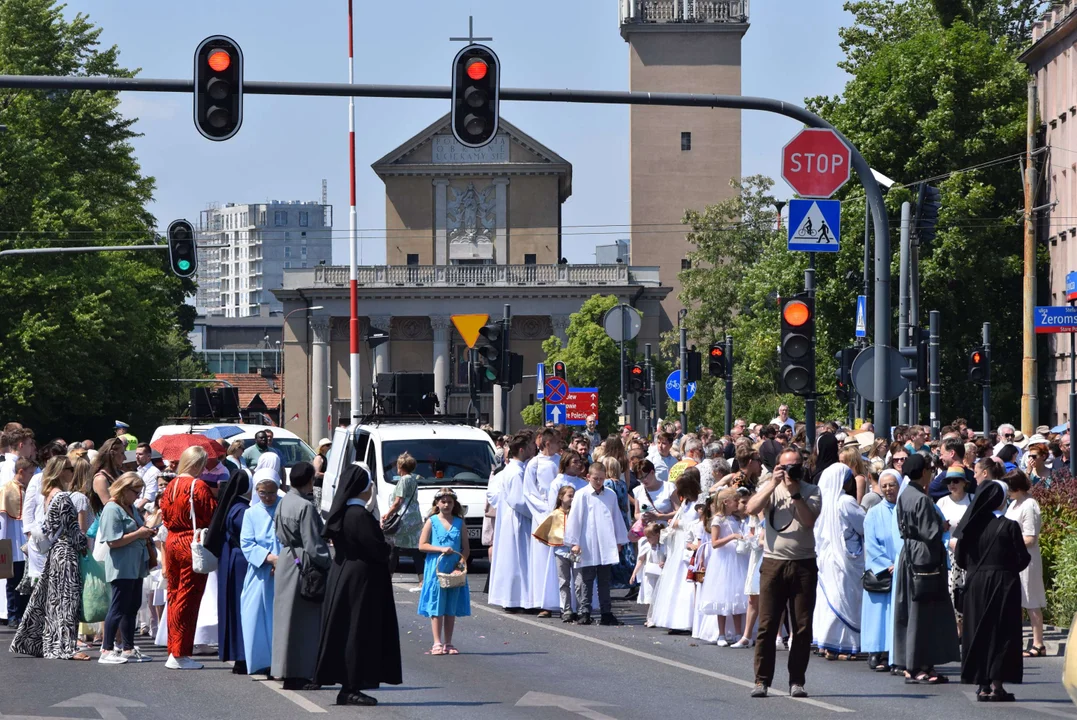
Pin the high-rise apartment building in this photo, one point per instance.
(243, 251)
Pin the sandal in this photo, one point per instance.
(928, 679)
(1035, 651)
(437, 649)
(1000, 696)
(450, 650)
(80, 656)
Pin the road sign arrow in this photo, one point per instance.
(107, 706)
(572, 705)
(556, 413)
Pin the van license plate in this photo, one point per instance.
(474, 533)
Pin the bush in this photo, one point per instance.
(1058, 546)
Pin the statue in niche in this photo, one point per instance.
(472, 215)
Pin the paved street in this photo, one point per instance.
(516, 666)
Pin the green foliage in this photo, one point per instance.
(533, 415)
(1058, 514)
(87, 338)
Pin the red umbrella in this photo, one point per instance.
(172, 446)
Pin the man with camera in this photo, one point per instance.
(788, 575)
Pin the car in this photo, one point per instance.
(460, 457)
(291, 447)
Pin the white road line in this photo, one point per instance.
(278, 687)
(655, 658)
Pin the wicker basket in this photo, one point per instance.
(456, 578)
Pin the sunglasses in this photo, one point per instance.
(955, 481)
(900, 459)
(1009, 435)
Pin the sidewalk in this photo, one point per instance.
(1054, 638)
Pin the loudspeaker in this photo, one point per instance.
(201, 402)
(227, 402)
(415, 393)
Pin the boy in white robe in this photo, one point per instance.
(596, 531)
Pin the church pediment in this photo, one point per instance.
(435, 152)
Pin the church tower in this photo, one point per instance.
(680, 158)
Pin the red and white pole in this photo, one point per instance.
(353, 238)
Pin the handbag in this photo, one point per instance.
(456, 578)
(203, 561)
(877, 583)
(959, 590)
(312, 580)
(636, 531)
(928, 584)
(96, 593)
(100, 552)
(391, 523)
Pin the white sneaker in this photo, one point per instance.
(182, 663)
(135, 655)
(109, 657)
(743, 643)
(722, 642)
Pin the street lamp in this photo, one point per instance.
(283, 417)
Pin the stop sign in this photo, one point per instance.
(816, 163)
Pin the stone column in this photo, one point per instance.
(497, 417)
(319, 379)
(441, 236)
(560, 327)
(501, 204)
(442, 327)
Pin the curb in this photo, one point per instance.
(1054, 638)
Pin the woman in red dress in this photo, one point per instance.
(185, 587)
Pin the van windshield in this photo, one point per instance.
(291, 450)
(441, 462)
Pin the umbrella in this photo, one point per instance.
(1064, 427)
(220, 432)
(172, 446)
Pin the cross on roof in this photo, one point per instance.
(470, 39)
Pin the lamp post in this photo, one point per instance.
(284, 327)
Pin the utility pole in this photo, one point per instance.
(648, 370)
(861, 401)
(506, 323)
(914, 314)
(987, 381)
(682, 405)
(933, 378)
(809, 400)
(903, 304)
(1028, 287)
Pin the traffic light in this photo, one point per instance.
(476, 81)
(844, 373)
(637, 378)
(559, 370)
(716, 366)
(928, 202)
(493, 351)
(916, 373)
(513, 370)
(182, 251)
(218, 87)
(797, 364)
(693, 365)
(979, 368)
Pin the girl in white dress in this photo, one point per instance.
(674, 604)
(723, 589)
(651, 558)
(751, 546)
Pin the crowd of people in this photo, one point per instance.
(908, 554)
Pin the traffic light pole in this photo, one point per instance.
(682, 405)
(987, 382)
(506, 323)
(903, 307)
(623, 410)
(933, 365)
(728, 384)
(1073, 399)
(649, 370)
(809, 400)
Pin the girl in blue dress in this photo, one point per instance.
(445, 543)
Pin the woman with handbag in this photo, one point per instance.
(403, 521)
(992, 550)
(925, 630)
(186, 505)
(127, 562)
(444, 540)
(880, 555)
(258, 541)
(360, 640)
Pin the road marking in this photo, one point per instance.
(656, 658)
(576, 706)
(278, 687)
(107, 706)
(1045, 708)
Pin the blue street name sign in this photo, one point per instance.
(814, 225)
(861, 316)
(673, 387)
(1071, 286)
(555, 414)
(1055, 319)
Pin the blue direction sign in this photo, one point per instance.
(1055, 319)
(540, 382)
(1071, 286)
(556, 390)
(814, 225)
(673, 387)
(861, 316)
(555, 414)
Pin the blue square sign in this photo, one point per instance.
(814, 225)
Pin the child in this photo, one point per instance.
(596, 531)
(723, 593)
(750, 552)
(444, 541)
(552, 532)
(704, 625)
(652, 558)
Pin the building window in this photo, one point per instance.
(302, 264)
(287, 251)
(529, 258)
(686, 141)
(280, 217)
(413, 258)
(262, 217)
(304, 219)
(287, 265)
(686, 264)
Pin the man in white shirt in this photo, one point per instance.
(510, 559)
(149, 474)
(783, 418)
(660, 456)
(596, 531)
(20, 444)
(11, 501)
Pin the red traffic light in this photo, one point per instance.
(637, 371)
(219, 60)
(796, 313)
(977, 358)
(477, 69)
(717, 352)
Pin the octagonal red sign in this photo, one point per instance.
(816, 163)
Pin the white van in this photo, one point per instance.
(292, 449)
(457, 456)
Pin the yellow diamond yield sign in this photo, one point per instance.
(468, 326)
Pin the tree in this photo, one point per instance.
(87, 338)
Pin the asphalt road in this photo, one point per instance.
(517, 666)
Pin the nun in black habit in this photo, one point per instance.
(992, 551)
(360, 640)
(222, 539)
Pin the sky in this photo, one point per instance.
(287, 145)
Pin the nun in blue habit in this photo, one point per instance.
(223, 540)
(881, 545)
(258, 540)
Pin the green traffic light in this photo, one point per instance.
(490, 374)
(184, 265)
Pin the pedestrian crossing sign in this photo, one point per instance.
(814, 225)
